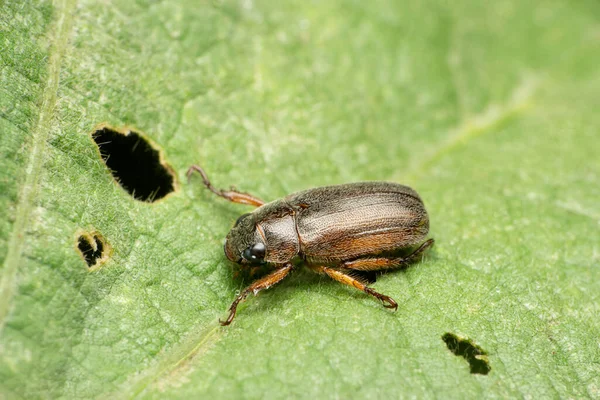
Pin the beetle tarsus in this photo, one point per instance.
(232, 195)
(261, 284)
(427, 244)
(229, 319)
(387, 301)
(233, 308)
(347, 279)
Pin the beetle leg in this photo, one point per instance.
(261, 284)
(347, 279)
(380, 263)
(231, 195)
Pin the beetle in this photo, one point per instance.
(339, 231)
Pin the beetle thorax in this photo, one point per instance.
(272, 225)
(281, 237)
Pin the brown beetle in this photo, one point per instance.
(334, 230)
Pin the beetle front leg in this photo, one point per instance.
(261, 284)
(381, 263)
(232, 195)
(349, 280)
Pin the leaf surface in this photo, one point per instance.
(488, 110)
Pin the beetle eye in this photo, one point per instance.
(258, 251)
(255, 253)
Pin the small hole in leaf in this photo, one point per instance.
(134, 163)
(475, 355)
(93, 248)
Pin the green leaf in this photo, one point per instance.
(488, 109)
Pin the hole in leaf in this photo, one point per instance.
(475, 355)
(94, 249)
(134, 163)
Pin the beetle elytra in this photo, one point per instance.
(334, 230)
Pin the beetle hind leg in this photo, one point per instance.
(347, 278)
(383, 263)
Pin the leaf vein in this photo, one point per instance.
(39, 142)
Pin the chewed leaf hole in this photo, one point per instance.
(93, 248)
(134, 163)
(475, 355)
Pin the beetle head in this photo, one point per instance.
(244, 245)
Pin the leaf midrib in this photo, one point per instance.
(39, 142)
